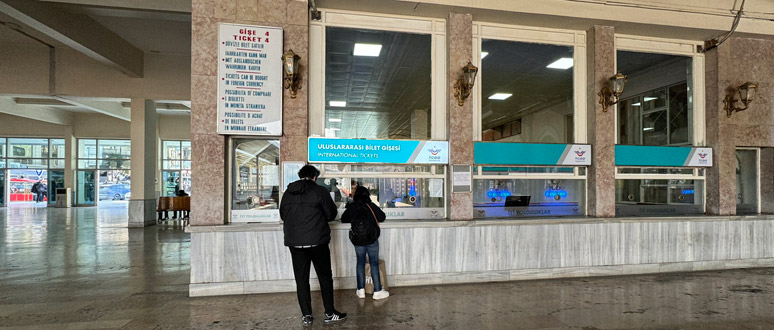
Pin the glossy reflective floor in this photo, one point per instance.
(81, 268)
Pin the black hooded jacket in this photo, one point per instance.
(305, 209)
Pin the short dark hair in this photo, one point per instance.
(308, 172)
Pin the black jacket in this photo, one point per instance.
(359, 210)
(306, 208)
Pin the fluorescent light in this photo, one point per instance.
(636, 104)
(338, 103)
(334, 120)
(500, 96)
(650, 98)
(484, 54)
(648, 129)
(563, 63)
(338, 129)
(367, 50)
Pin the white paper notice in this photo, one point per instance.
(436, 187)
(249, 80)
(270, 175)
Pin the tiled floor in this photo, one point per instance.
(81, 268)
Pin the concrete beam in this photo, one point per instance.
(79, 32)
(35, 112)
(177, 6)
(113, 109)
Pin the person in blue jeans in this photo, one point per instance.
(365, 216)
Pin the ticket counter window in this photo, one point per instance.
(526, 92)
(402, 191)
(656, 108)
(254, 176)
(377, 84)
(747, 188)
(526, 192)
(659, 192)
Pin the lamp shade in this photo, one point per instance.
(747, 92)
(469, 73)
(617, 83)
(290, 63)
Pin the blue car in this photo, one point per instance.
(116, 192)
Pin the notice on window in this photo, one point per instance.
(461, 178)
(249, 80)
(290, 172)
(436, 187)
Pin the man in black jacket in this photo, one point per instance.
(305, 210)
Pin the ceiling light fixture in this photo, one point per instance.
(484, 54)
(337, 103)
(636, 104)
(650, 98)
(563, 63)
(371, 50)
(500, 96)
(334, 120)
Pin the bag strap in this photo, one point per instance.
(374, 214)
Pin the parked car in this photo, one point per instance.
(116, 192)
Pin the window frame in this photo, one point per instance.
(680, 47)
(434, 27)
(539, 35)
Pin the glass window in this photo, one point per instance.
(114, 149)
(656, 106)
(403, 191)
(377, 84)
(524, 197)
(27, 163)
(647, 197)
(2, 148)
(171, 150)
(747, 181)
(87, 148)
(57, 148)
(255, 174)
(526, 92)
(27, 148)
(186, 150)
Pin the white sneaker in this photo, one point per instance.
(381, 294)
(360, 293)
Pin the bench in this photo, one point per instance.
(180, 204)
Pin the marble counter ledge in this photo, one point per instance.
(436, 223)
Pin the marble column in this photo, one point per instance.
(142, 206)
(459, 46)
(70, 161)
(209, 163)
(600, 52)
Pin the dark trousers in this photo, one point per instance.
(302, 259)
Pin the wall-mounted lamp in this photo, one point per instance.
(465, 84)
(746, 95)
(292, 74)
(609, 95)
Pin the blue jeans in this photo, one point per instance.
(373, 259)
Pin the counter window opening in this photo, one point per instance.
(659, 129)
(255, 180)
(525, 192)
(403, 191)
(525, 114)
